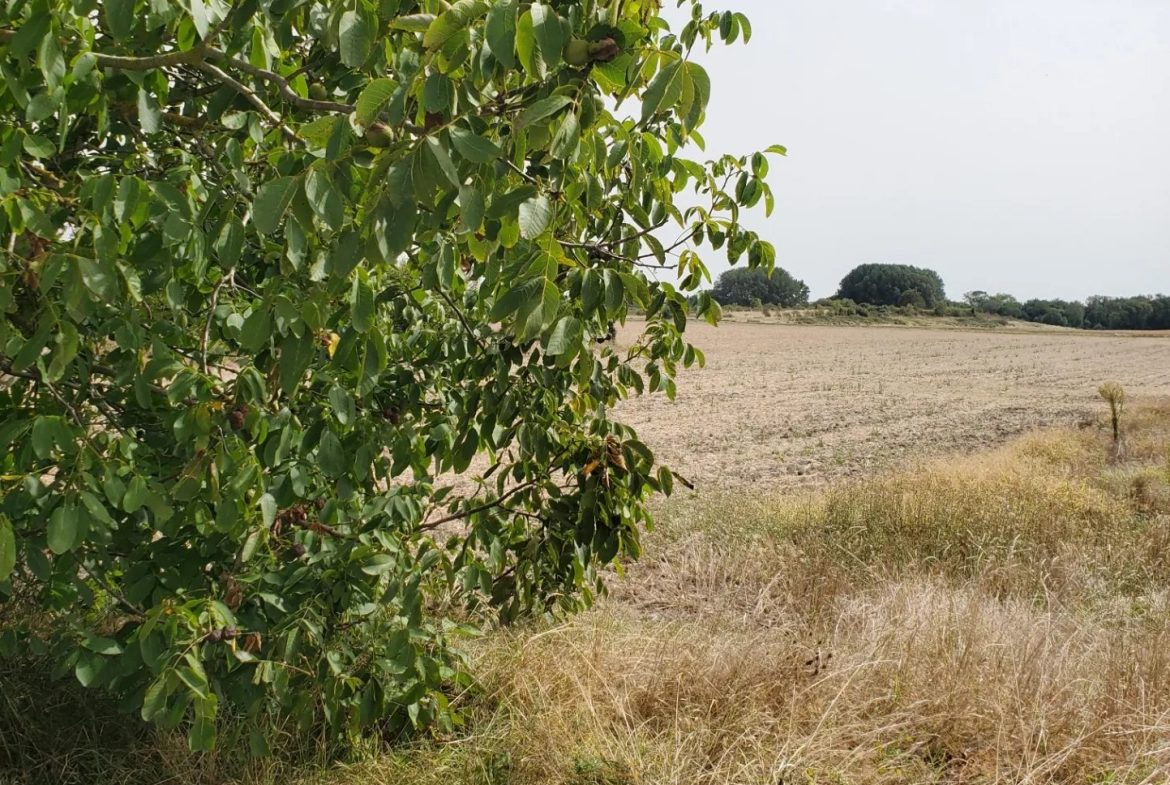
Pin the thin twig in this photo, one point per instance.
(125, 603)
(522, 173)
(231, 274)
(639, 235)
(474, 510)
(462, 318)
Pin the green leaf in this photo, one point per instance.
(501, 32)
(43, 439)
(229, 246)
(256, 331)
(295, 356)
(7, 549)
(324, 198)
(453, 21)
(471, 207)
(199, 18)
(400, 223)
(615, 292)
(535, 217)
(355, 38)
(413, 23)
(149, 113)
(39, 146)
(343, 405)
(268, 510)
(320, 131)
(526, 48)
(272, 202)
(89, 668)
(129, 190)
(510, 302)
(29, 35)
(100, 645)
(331, 455)
(41, 107)
(541, 110)
(778, 149)
(362, 305)
(101, 278)
(371, 100)
(156, 698)
(135, 496)
(51, 62)
(546, 27)
(120, 17)
(696, 95)
(568, 136)
(507, 204)
(473, 147)
(664, 90)
(441, 157)
(64, 353)
(201, 735)
(538, 311)
(565, 337)
(592, 291)
(31, 350)
(62, 531)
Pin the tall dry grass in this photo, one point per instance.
(1003, 618)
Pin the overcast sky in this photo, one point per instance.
(1011, 145)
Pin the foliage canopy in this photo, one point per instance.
(741, 286)
(884, 284)
(277, 275)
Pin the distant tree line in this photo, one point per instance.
(905, 286)
(1145, 312)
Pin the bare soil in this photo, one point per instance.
(795, 406)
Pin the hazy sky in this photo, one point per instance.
(1012, 145)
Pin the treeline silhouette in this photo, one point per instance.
(915, 288)
(1144, 312)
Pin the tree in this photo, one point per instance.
(273, 279)
(883, 284)
(739, 286)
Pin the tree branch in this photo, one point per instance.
(282, 85)
(474, 510)
(193, 55)
(462, 318)
(253, 99)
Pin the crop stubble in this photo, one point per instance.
(795, 406)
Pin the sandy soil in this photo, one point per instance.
(792, 406)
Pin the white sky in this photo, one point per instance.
(1011, 145)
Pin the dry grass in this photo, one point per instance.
(1000, 619)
